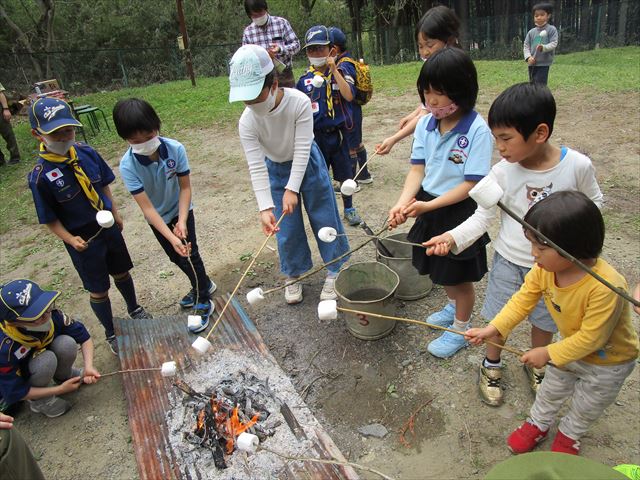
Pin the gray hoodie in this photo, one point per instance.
(549, 44)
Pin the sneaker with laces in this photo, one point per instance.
(51, 407)
(563, 444)
(293, 293)
(190, 298)
(489, 385)
(352, 217)
(535, 376)
(329, 289)
(139, 313)
(204, 310)
(446, 345)
(365, 180)
(112, 342)
(525, 438)
(443, 318)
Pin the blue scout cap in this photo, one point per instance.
(338, 37)
(318, 35)
(24, 300)
(248, 67)
(48, 114)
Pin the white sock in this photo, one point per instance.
(460, 325)
(452, 302)
(487, 364)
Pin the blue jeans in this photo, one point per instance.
(318, 197)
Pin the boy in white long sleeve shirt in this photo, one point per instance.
(521, 120)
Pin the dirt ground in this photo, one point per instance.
(348, 383)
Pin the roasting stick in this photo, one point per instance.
(375, 152)
(131, 371)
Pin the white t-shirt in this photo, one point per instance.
(522, 188)
(283, 135)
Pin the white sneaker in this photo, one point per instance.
(293, 293)
(329, 289)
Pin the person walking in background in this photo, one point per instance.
(275, 35)
(540, 44)
(7, 131)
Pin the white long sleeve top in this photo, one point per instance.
(522, 188)
(284, 134)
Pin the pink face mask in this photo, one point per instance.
(442, 112)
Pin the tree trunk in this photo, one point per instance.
(24, 40)
(622, 22)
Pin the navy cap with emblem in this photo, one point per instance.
(318, 35)
(48, 114)
(338, 37)
(24, 300)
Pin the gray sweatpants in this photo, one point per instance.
(53, 363)
(592, 388)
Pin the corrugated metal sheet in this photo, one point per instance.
(149, 343)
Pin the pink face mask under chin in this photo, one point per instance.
(442, 112)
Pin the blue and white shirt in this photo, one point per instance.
(461, 154)
(158, 179)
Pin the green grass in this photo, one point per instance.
(183, 107)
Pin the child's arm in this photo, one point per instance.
(70, 385)
(406, 130)
(455, 195)
(184, 202)
(346, 90)
(526, 47)
(553, 40)
(91, 374)
(302, 140)
(78, 243)
(411, 186)
(114, 209)
(407, 118)
(154, 219)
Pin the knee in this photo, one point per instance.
(98, 296)
(42, 368)
(64, 347)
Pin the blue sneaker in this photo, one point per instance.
(443, 318)
(446, 345)
(190, 298)
(204, 310)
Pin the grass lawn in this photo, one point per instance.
(181, 107)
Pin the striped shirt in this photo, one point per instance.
(277, 31)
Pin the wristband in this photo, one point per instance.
(5, 108)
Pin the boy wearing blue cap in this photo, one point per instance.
(39, 343)
(70, 184)
(331, 91)
(286, 165)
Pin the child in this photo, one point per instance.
(39, 343)
(276, 131)
(453, 145)
(521, 120)
(331, 106)
(352, 130)
(437, 29)
(599, 345)
(155, 170)
(70, 184)
(539, 48)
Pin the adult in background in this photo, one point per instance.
(7, 132)
(273, 34)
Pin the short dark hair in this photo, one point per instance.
(439, 23)
(524, 106)
(452, 72)
(255, 6)
(571, 220)
(133, 115)
(269, 79)
(545, 6)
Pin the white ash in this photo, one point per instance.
(206, 375)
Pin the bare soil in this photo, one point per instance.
(348, 383)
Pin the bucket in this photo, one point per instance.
(368, 287)
(412, 285)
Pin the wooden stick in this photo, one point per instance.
(375, 152)
(131, 371)
(376, 237)
(255, 257)
(437, 327)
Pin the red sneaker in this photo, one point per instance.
(525, 438)
(564, 444)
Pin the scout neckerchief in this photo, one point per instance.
(83, 180)
(327, 81)
(27, 340)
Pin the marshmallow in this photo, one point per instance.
(168, 369)
(348, 187)
(202, 345)
(247, 442)
(543, 34)
(487, 193)
(327, 234)
(105, 219)
(328, 310)
(317, 81)
(194, 321)
(255, 296)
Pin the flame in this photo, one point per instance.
(235, 427)
(200, 424)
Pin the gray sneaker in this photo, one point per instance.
(352, 217)
(112, 341)
(51, 407)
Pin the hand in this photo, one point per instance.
(289, 202)
(415, 208)
(78, 243)
(118, 219)
(477, 336)
(331, 62)
(181, 248)
(274, 49)
(540, 48)
(6, 114)
(396, 217)
(70, 385)
(180, 230)
(536, 357)
(268, 220)
(531, 60)
(404, 120)
(6, 422)
(440, 245)
(386, 146)
(91, 375)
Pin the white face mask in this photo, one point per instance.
(317, 61)
(60, 148)
(260, 21)
(147, 148)
(265, 107)
(45, 327)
